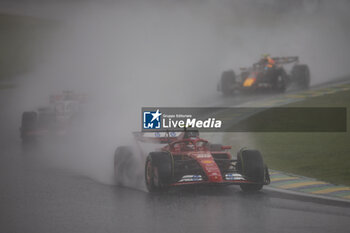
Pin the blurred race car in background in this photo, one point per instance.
(53, 119)
(259, 77)
(187, 159)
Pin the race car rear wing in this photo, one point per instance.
(68, 95)
(278, 61)
(156, 137)
(285, 60)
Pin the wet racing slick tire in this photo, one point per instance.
(251, 166)
(301, 76)
(228, 79)
(28, 123)
(124, 161)
(158, 171)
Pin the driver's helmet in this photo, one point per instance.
(265, 56)
(189, 146)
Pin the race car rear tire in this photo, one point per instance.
(123, 165)
(158, 171)
(251, 166)
(28, 123)
(228, 79)
(301, 76)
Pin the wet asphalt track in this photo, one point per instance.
(36, 199)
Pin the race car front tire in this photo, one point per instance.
(158, 171)
(251, 166)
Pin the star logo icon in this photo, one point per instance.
(151, 119)
(156, 115)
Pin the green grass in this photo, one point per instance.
(325, 156)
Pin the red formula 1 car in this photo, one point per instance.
(188, 159)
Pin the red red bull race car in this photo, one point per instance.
(262, 77)
(187, 159)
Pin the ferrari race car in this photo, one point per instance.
(53, 119)
(259, 77)
(187, 159)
